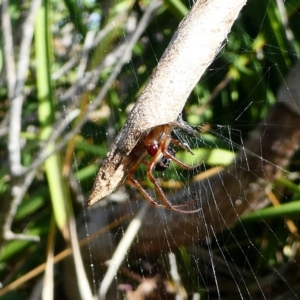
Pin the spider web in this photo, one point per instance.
(243, 259)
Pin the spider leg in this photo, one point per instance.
(154, 181)
(184, 126)
(179, 162)
(160, 192)
(143, 191)
(165, 201)
(137, 184)
(179, 144)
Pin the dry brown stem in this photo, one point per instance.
(192, 49)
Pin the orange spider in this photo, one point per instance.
(156, 143)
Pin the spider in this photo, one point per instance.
(156, 144)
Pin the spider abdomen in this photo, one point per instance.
(164, 163)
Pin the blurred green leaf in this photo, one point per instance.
(284, 210)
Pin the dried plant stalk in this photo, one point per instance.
(192, 49)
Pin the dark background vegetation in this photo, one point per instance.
(251, 67)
